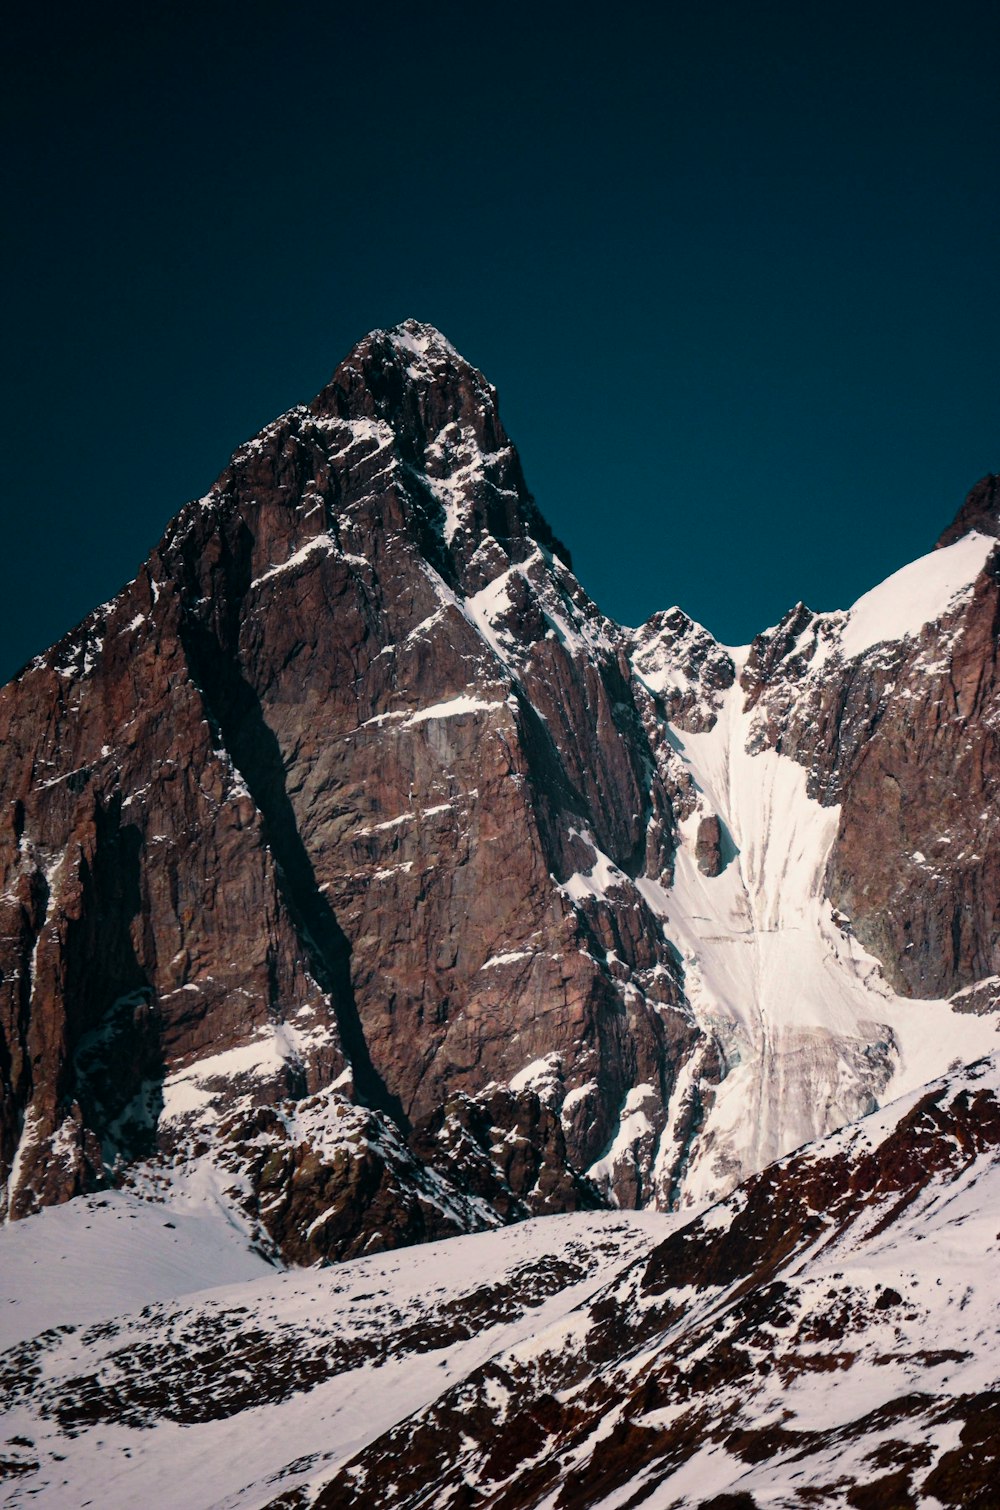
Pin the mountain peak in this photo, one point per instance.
(980, 511)
(423, 341)
(418, 350)
(466, 825)
(413, 377)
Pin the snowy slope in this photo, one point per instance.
(223, 1398)
(831, 1325)
(101, 1255)
(919, 593)
(828, 1335)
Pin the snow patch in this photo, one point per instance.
(918, 594)
(544, 1076)
(319, 545)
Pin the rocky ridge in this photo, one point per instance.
(352, 853)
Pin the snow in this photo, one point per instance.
(377, 432)
(389, 823)
(467, 475)
(811, 1033)
(29, 1133)
(579, 1093)
(541, 1075)
(634, 1124)
(421, 341)
(509, 957)
(454, 707)
(103, 1255)
(920, 593)
(403, 868)
(602, 877)
(319, 544)
(189, 1091)
(245, 1459)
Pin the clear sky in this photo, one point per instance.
(733, 268)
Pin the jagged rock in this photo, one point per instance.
(683, 667)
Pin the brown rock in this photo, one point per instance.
(708, 846)
(321, 768)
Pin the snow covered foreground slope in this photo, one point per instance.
(828, 1335)
(228, 1397)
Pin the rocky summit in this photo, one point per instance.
(360, 875)
(364, 886)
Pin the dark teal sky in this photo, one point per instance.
(733, 268)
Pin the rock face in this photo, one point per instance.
(708, 846)
(353, 853)
(301, 806)
(980, 511)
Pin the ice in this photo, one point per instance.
(811, 1033)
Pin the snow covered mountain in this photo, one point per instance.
(359, 872)
(362, 885)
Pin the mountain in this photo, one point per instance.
(361, 880)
